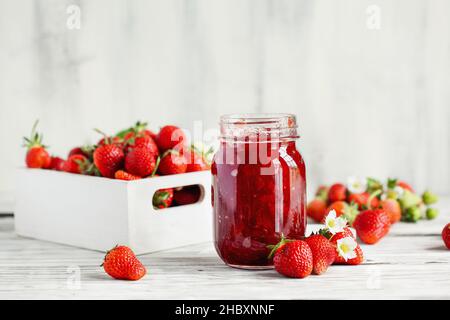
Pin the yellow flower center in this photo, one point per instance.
(345, 248)
(331, 223)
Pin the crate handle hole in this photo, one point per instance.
(178, 196)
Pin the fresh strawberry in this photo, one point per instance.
(195, 161)
(346, 233)
(393, 209)
(187, 195)
(338, 206)
(123, 175)
(151, 134)
(143, 141)
(405, 185)
(57, 164)
(172, 162)
(74, 151)
(337, 192)
(76, 163)
(170, 137)
(108, 158)
(111, 140)
(446, 235)
(341, 260)
(324, 252)
(163, 198)
(348, 211)
(121, 263)
(37, 155)
(140, 161)
(293, 258)
(362, 200)
(317, 210)
(372, 225)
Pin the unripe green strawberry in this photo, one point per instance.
(432, 213)
(409, 199)
(412, 214)
(429, 198)
(322, 193)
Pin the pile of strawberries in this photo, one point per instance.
(333, 244)
(131, 154)
(371, 207)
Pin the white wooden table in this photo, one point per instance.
(411, 262)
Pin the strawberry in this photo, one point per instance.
(196, 161)
(342, 208)
(293, 258)
(140, 161)
(337, 192)
(317, 210)
(139, 136)
(37, 155)
(123, 175)
(170, 137)
(172, 162)
(144, 141)
(121, 263)
(118, 141)
(446, 235)
(76, 163)
(339, 259)
(108, 158)
(405, 185)
(362, 200)
(57, 164)
(163, 198)
(324, 252)
(372, 225)
(187, 195)
(393, 209)
(151, 134)
(338, 206)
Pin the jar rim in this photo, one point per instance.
(277, 126)
(257, 118)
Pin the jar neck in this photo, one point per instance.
(258, 128)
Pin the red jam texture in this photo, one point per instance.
(255, 203)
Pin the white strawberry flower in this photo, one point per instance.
(333, 224)
(346, 248)
(356, 185)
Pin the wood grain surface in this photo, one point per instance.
(410, 263)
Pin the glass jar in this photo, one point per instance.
(259, 187)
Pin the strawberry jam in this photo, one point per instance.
(259, 188)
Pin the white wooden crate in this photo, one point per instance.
(98, 213)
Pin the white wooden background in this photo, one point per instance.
(369, 102)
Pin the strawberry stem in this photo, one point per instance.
(108, 139)
(274, 248)
(372, 195)
(158, 160)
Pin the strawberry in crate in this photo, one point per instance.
(131, 154)
(37, 155)
(371, 206)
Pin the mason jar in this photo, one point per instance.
(259, 187)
